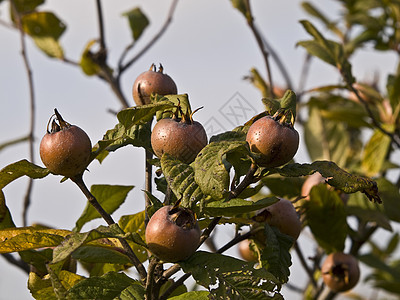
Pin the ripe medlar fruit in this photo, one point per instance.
(246, 252)
(283, 216)
(181, 138)
(152, 82)
(65, 149)
(172, 233)
(275, 141)
(340, 271)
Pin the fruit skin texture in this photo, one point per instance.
(172, 236)
(245, 251)
(275, 142)
(283, 216)
(66, 152)
(152, 82)
(340, 271)
(182, 140)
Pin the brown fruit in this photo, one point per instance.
(283, 216)
(152, 82)
(246, 252)
(172, 233)
(66, 149)
(276, 142)
(182, 139)
(340, 271)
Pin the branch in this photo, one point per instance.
(16, 262)
(78, 180)
(101, 26)
(27, 198)
(123, 68)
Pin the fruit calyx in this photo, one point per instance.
(184, 117)
(182, 217)
(284, 117)
(339, 273)
(56, 127)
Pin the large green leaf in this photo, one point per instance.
(133, 292)
(180, 178)
(196, 295)
(110, 197)
(326, 217)
(26, 238)
(211, 169)
(236, 206)
(137, 22)
(336, 177)
(95, 254)
(45, 28)
(108, 286)
(275, 254)
(230, 278)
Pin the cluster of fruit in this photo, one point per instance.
(173, 234)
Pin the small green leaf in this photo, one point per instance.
(137, 22)
(240, 5)
(326, 218)
(316, 49)
(87, 63)
(375, 153)
(289, 102)
(108, 286)
(45, 28)
(212, 169)
(226, 277)
(196, 295)
(110, 197)
(181, 179)
(236, 206)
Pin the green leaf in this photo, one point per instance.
(236, 206)
(326, 217)
(142, 114)
(240, 5)
(24, 6)
(135, 224)
(336, 177)
(26, 238)
(275, 254)
(227, 277)
(196, 295)
(110, 197)
(37, 259)
(41, 288)
(375, 153)
(108, 286)
(289, 102)
(133, 292)
(181, 179)
(284, 187)
(45, 28)
(137, 22)
(95, 254)
(391, 199)
(211, 170)
(87, 62)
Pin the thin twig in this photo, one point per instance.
(27, 198)
(150, 279)
(102, 39)
(265, 54)
(303, 262)
(78, 180)
(153, 40)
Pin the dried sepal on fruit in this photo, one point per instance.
(65, 149)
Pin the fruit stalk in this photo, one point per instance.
(78, 180)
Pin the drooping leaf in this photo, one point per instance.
(181, 179)
(211, 169)
(137, 22)
(375, 153)
(45, 28)
(108, 286)
(336, 177)
(326, 217)
(110, 197)
(26, 238)
(275, 254)
(196, 295)
(227, 277)
(236, 206)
